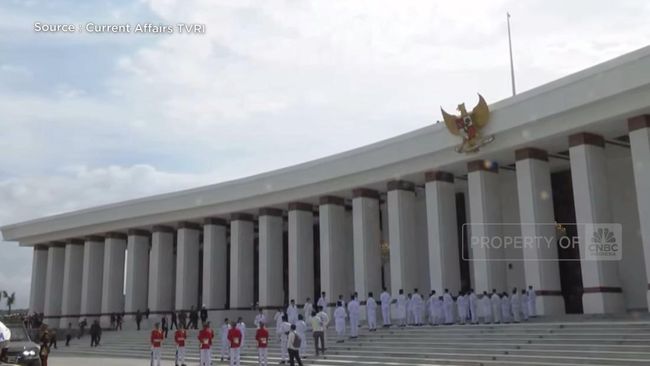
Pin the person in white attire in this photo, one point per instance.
(225, 344)
(301, 329)
(339, 321)
(505, 308)
(242, 328)
(430, 303)
(439, 310)
(284, 328)
(486, 308)
(400, 314)
(515, 306)
(416, 307)
(473, 306)
(523, 300)
(354, 310)
(308, 308)
(409, 311)
(496, 306)
(385, 299)
(292, 312)
(323, 304)
(427, 309)
(448, 307)
(532, 304)
(259, 318)
(371, 313)
(461, 303)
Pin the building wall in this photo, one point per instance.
(622, 195)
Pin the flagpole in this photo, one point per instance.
(512, 67)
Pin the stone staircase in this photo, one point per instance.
(573, 341)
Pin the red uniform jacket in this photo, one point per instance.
(156, 338)
(205, 338)
(234, 336)
(179, 337)
(262, 337)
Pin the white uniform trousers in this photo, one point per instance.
(385, 314)
(263, 354)
(284, 352)
(225, 348)
(180, 355)
(234, 356)
(354, 326)
(206, 356)
(372, 319)
(155, 356)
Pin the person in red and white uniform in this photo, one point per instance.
(262, 337)
(235, 339)
(205, 341)
(156, 342)
(180, 336)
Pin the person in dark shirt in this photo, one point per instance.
(174, 323)
(165, 328)
(138, 318)
(204, 315)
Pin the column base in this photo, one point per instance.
(550, 305)
(598, 301)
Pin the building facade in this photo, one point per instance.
(401, 214)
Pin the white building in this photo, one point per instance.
(576, 150)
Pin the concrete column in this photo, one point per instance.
(54, 281)
(602, 288)
(301, 251)
(639, 128)
(72, 275)
(444, 265)
(39, 272)
(91, 284)
(242, 251)
(137, 271)
(161, 269)
(336, 276)
(485, 208)
(366, 235)
(401, 236)
(187, 266)
(215, 259)
(541, 267)
(271, 227)
(113, 278)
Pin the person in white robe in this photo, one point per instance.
(461, 303)
(438, 311)
(448, 307)
(242, 328)
(473, 306)
(354, 311)
(225, 344)
(428, 306)
(301, 329)
(260, 318)
(308, 308)
(284, 329)
(486, 308)
(322, 304)
(515, 306)
(523, 300)
(292, 312)
(400, 314)
(532, 302)
(409, 312)
(416, 307)
(278, 317)
(385, 299)
(496, 306)
(505, 308)
(371, 313)
(339, 321)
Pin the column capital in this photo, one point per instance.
(270, 211)
(332, 200)
(94, 238)
(162, 229)
(40, 247)
(301, 206)
(241, 216)
(138, 232)
(438, 176)
(74, 242)
(189, 225)
(482, 165)
(531, 153)
(215, 221)
(57, 244)
(365, 192)
(400, 185)
(115, 235)
(586, 138)
(638, 122)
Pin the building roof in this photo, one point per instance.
(597, 99)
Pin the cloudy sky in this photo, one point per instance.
(87, 119)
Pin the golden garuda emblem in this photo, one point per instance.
(468, 125)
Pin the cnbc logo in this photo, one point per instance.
(603, 241)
